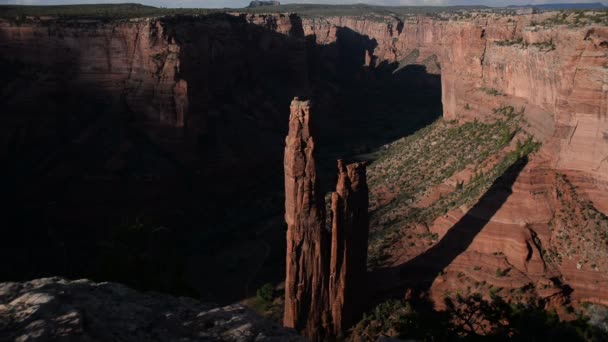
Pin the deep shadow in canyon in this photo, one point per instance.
(94, 188)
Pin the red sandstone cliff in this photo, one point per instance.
(133, 60)
(563, 88)
(558, 73)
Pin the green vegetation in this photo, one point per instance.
(475, 318)
(578, 18)
(491, 91)
(265, 293)
(512, 42)
(501, 272)
(581, 230)
(545, 46)
(411, 167)
(268, 302)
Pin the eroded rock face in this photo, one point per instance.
(557, 73)
(350, 230)
(306, 280)
(325, 276)
(133, 60)
(80, 310)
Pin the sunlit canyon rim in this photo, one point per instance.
(185, 82)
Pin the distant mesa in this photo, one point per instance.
(258, 3)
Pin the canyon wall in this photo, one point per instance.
(133, 118)
(133, 61)
(558, 73)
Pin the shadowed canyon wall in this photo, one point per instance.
(126, 121)
(107, 125)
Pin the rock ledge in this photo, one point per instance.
(55, 308)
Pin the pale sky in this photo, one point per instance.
(243, 3)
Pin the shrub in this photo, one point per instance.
(265, 293)
(491, 91)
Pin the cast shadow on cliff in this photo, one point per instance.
(419, 273)
(362, 103)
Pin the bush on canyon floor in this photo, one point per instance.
(475, 318)
(266, 292)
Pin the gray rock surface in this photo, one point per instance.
(81, 310)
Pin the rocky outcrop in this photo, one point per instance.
(350, 230)
(306, 292)
(81, 310)
(324, 280)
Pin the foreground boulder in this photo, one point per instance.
(80, 310)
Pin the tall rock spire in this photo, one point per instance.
(306, 296)
(325, 272)
(350, 230)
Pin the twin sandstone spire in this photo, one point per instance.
(325, 278)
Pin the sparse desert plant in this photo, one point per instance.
(265, 293)
(491, 91)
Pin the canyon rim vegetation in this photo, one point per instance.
(347, 172)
